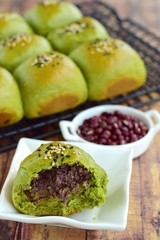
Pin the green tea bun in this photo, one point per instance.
(50, 83)
(111, 67)
(17, 48)
(49, 15)
(58, 179)
(70, 36)
(11, 110)
(12, 23)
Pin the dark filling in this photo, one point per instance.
(59, 182)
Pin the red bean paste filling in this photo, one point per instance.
(59, 182)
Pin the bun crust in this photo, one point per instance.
(70, 36)
(49, 15)
(111, 67)
(11, 110)
(50, 83)
(17, 48)
(12, 23)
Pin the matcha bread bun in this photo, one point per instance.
(17, 48)
(70, 36)
(48, 15)
(50, 83)
(111, 67)
(11, 110)
(58, 179)
(12, 23)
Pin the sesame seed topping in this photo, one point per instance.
(52, 151)
(58, 152)
(19, 39)
(55, 158)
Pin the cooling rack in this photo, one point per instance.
(145, 42)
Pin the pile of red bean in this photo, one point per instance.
(112, 129)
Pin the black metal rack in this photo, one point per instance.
(146, 43)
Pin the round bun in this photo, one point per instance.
(50, 83)
(111, 67)
(49, 15)
(12, 23)
(17, 48)
(11, 110)
(70, 36)
(58, 179)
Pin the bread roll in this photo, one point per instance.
(11, 110)
(49, 15)
(58, 179)
(70, 36)
(111, 67)
(50, 83)
(17, 48)
(12, 23)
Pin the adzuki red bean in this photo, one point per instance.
(112, 129)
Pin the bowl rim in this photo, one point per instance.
(102, 108)
(113, 107)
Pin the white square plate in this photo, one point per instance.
(111, 216)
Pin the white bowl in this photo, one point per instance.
(151, 118)
(110, 216)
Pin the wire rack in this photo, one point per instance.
(146, 43)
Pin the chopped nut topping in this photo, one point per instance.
(19, 39)
(49, 2)
(73, 28)
(102, 46)
(44, 60)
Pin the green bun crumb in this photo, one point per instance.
(58, 179)
(50, 83)
(111, 67)
(70, 36)
(11, 109)
(51, 14)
